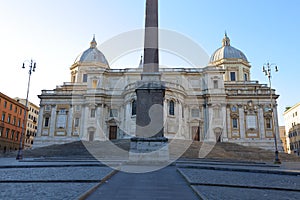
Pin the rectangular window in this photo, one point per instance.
(113, 113)
(84, 78)
(12, 135)
(76, 122)
(245, 77)
(17, 136)
(5, 104)
(93, 113)
(10, 107)
(232, 76)
(6, 133)
(46, 122)
(47, 108)
(268, 123)
(14, 121)
(3, 117)
(1, 131)
(16, 109)
(77, 108)
(8, 118)
(216, 85)
(19, 122)
(195, 113)
(235, 123)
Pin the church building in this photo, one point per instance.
(219, 102)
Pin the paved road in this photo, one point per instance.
(163, 184)
(208, 179)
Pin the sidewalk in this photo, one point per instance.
(164, 184)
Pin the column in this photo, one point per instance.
(261, 122)
(70, 121)
(242, 122)
(52, 120)
(40, 121)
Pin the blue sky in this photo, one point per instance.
(54, 32)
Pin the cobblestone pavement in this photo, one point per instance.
(41, 180)
(231, 183)
(186, 179)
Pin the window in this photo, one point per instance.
(19, 122)
(8, 118)
(17, 136)
(5, 104)
(234, 109)
(46, 122)
(234, 123)
(16, 109)
(93, 113)
(12, 135)
(47, 108)
(6, 133)
(84, 78)
(268, 123)
(76, 122)
(232, 76)
(10, 107)
(133, 107)
(171, 107)
(195, 113)
(1, 131)
(216, 84)
(14, 121)
(113, 113)
(245, 77)
(77, 108)
(3, 117)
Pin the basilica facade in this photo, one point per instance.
(219, 102)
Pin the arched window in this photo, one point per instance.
(171, 107)
(133, 107)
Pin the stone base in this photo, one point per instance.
(149, 150)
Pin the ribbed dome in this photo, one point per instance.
(227, 52)
(92, 55)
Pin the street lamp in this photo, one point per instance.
(267, 69)
(32, 66)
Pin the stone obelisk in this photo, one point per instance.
(150, 143)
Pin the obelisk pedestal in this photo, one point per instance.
(150, 145)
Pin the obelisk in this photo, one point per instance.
(150, 143)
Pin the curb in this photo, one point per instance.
(290, 173)
(93, 189)
(192, 185)
(201, 197)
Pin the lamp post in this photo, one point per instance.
(267, 69)
(32, 66)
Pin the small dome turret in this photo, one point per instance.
(227, 52)
(92, 55)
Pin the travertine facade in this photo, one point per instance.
(218, 102)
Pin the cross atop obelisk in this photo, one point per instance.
(151, 52)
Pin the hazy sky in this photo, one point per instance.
(54, 32)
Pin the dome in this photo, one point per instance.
(227, 52)
(92, 55)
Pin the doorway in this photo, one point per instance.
(91, 136)
(113, 130)
(196, 133)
